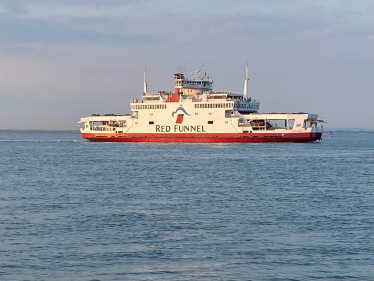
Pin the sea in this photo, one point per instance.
(77, 210)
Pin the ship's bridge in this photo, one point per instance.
(198, 84)
(194, 85)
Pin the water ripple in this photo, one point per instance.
(74, 210)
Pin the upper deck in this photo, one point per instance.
(198, 90)
(210, 100)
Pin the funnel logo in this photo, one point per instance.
(180, 128)
(180, 116)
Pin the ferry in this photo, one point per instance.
(196, 113)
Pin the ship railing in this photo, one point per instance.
(250, 100)
(188, 99)
(153, 101)
(254, 127)
(106, 129)
(227, 93)
(148, 101)
(244, 100)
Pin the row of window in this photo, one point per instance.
(148, 106)
(187, 82)
(214, 105)
(163, 106)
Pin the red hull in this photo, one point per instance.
(204, 138)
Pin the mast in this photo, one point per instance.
(145, 86)
(245, 91)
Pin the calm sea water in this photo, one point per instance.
(75, 210)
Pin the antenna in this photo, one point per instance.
(145, 86)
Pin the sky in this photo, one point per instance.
(61, 60)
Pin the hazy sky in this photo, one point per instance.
(62, 60)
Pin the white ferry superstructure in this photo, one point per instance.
(195, 113)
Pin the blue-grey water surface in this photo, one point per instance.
(77, 210)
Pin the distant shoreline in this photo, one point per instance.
(348, 130)
(325, 130)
